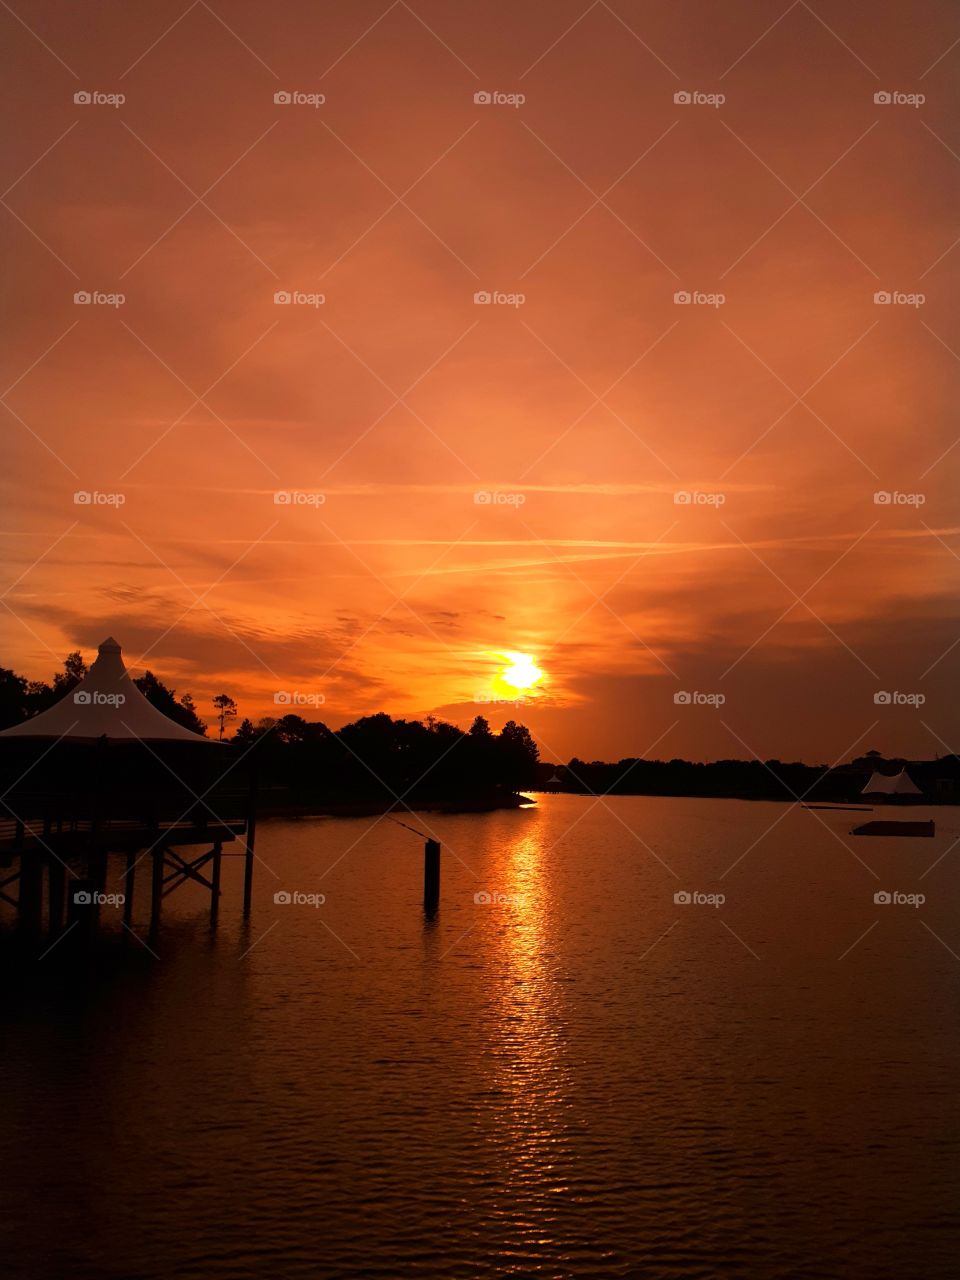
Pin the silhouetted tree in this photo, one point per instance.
(165, 700)
(291, 728)
(482, 753)
(382, 748)
(226, 709)
(41, 696)
(74, 669)
(246, 733)
(189, 707)
(13, 698)
(518, 755)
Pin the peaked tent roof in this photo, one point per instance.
(900, 784)
(106, 703)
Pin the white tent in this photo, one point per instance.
(900, 784)
(105, 703)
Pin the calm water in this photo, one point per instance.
(586, 1080)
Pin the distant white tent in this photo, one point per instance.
(106, 703)
(900, 784)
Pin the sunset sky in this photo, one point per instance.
(384, 411)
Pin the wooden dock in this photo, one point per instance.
(56, 851)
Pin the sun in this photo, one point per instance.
(521, 672)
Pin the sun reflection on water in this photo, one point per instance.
(530, 1073)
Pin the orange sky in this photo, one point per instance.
(397, 400)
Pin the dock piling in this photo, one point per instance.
(215, 882)
(156, 892)
(31, 891)
(56, 893)
(129, 877)
(431, 875)
(81, 903)
(249, 837)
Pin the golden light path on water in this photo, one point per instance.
(530, 1072)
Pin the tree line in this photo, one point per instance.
(372, 760)
(379, 758)
(749, 779)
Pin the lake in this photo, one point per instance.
(572, 1075)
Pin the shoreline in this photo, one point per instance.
(370, 809)
(807, 803)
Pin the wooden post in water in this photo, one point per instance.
(156, 892)
(128, 882)
(56, 893)
(30, 889)
(431, 875)
(97, 869)
(215, 882)
(247, 879)
(81, 908)
(249, 837)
